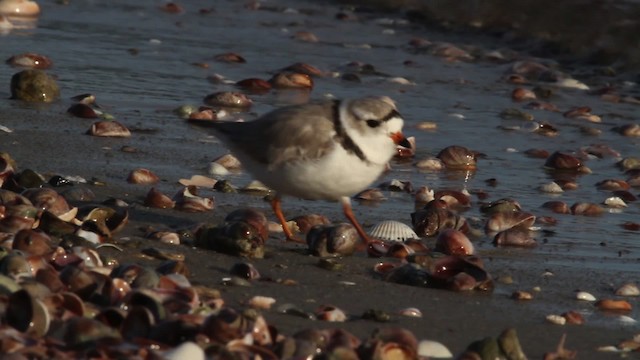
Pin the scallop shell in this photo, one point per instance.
(392, 230)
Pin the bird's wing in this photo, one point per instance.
(284, 135)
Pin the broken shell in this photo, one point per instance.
(142, 177)
(109, 129)
(188, 200)
(27, 313)
(628, 289)
(392, 230)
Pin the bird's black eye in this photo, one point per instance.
(373, 123)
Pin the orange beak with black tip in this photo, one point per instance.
(399, 139)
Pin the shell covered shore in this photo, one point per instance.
(126, 231)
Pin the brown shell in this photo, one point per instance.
(458, 158)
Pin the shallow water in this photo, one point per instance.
(139, 60)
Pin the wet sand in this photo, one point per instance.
(47, 140)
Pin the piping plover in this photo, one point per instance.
(327, 150)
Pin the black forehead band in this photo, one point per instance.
(391, 115)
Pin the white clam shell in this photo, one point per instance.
(556, 319)
(393, 230)
(433, 350)
(187, 350)
(585, 296)
(615, 202)
(552, 188)
(628, 289)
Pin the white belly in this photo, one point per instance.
(330, 178)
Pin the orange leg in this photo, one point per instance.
(348, 212)
(277, 209)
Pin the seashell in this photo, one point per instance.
(614, 202)
(521, 94)
(291, 80)
(631, 226)
(83, 111)
(628, 289)
(410, 312)
(254, 85)
(47, 199)
(230, 57)
(186, 350)
(454, 199)
(393, 231)
(33, 242)
(613, 305)
(370, 194)
(330, 313)
(521, 295)
(228, 99)
(142, 177)
(199, 181)
(158, 200)
(515, 114)
(245, 270)
(188, 200)
(406, 152)
(507, 220)
(458, 158)
(565, 162)
(236, 238)
(217, 169)
(253, 217)
(514, 237)
(28, 60)
(612, 185)
(172, 8)
(332, 240)
(586, 209)
(558, 207)
(454, 242)
(556, 319)
(501, 205)
(261, 302)
(585, 296)
(202, 114)
(27, 314)
(551, 188)
(632, 130)
(433, 350)
(573, 317)
(305, 36)
(109, 129)
(304, 68)
(433, 164)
